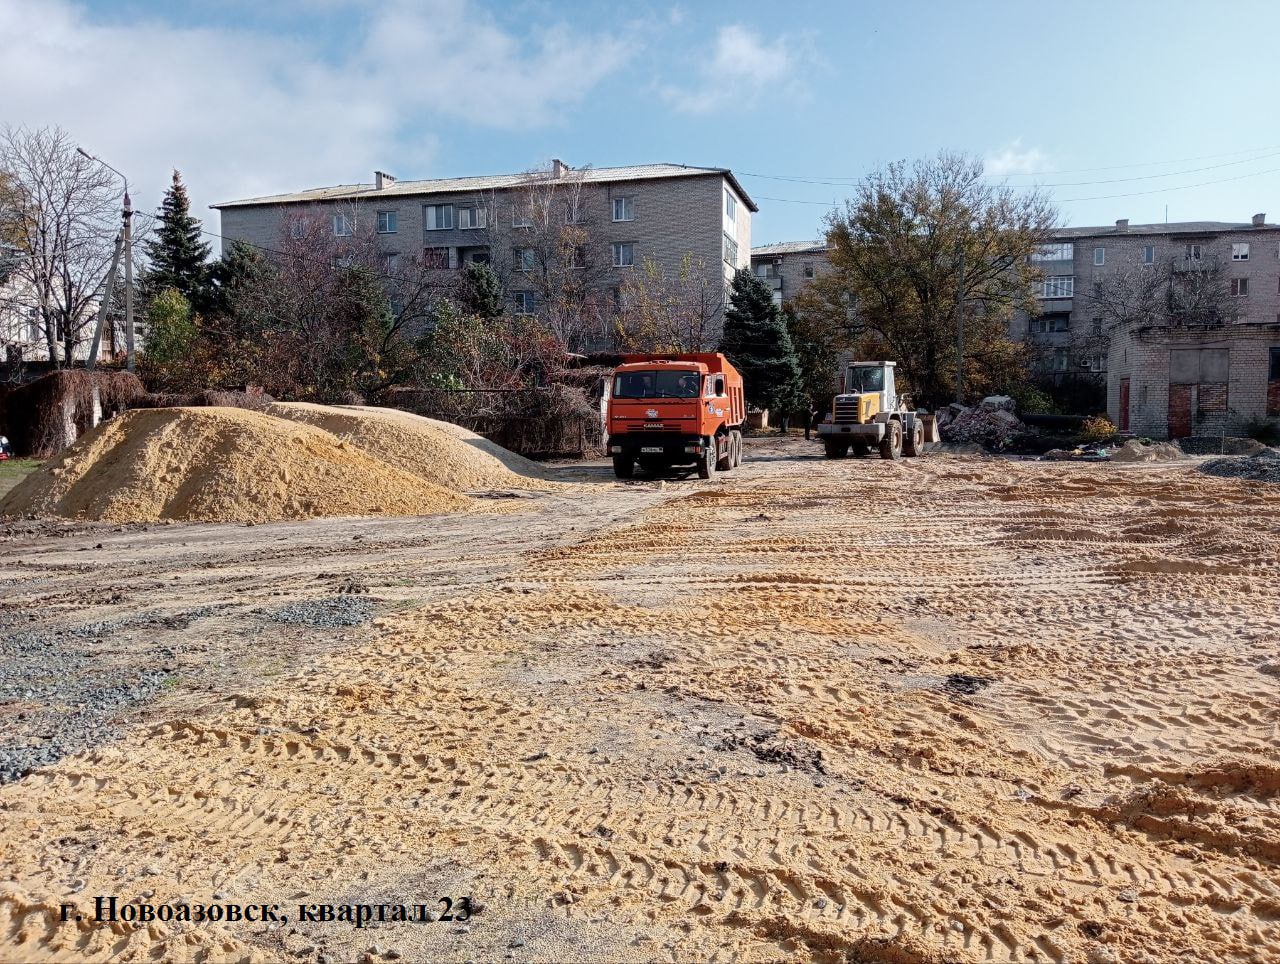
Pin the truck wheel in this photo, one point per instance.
(737, 448)
(891, 444)
(913, 444)
(624, 466)
(836, 450)
(707, 461)
(859, 450)
(725, 462)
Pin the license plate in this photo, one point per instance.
(651, 450)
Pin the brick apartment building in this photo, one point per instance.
(663, 212)
(1194, 376)
(788, 266)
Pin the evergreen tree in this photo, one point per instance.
(179, 256)
(756, 341)
(481, 291)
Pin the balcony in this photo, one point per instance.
(1205, 263)
(772, 282)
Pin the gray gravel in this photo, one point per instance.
(330, 613)
(1263, 467)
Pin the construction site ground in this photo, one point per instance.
(941, 709)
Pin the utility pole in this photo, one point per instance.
(959, 323)
(128, 278)
(127, 235)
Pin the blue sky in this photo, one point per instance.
(258, 97)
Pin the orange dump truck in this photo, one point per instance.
(667, 410)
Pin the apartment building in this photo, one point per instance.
(787, 267)
(1210, 370)
(621, 216)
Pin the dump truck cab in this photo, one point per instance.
(669, 410)
(868, 412)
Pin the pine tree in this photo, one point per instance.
(481, 293)
(756, 341)
(179, 256)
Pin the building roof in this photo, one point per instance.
(1176, 227)
(790, 247)
(490, 182)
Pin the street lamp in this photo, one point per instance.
(128, 257)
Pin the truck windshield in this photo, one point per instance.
(655, 385)
(866, 380)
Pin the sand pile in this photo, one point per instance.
(220, 465)
(1135, 451)
(440, 452)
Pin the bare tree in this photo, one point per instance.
(1178, 293)
(552, 238)
(63, 213)
(658, 311)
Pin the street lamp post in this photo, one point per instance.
(127, 214)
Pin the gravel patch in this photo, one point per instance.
(1263, 467)
(331, 613)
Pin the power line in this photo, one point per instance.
(1163, 190)
(849, 182)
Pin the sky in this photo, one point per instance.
(1131, 110)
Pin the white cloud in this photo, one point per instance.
(242, 113)
(1013, 158)
(743, 64)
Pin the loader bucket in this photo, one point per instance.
(930, 423)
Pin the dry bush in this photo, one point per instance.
(33, 414)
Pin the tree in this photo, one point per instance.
(62, 216)
(903, 245)
(481, 293)
(818, 346)
(663, 312)
(178, 254)
(171, 341)
(756, 341)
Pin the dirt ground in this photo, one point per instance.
(946, 709)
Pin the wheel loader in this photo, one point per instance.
(869, 413)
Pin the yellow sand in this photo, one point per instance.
(220, 465)
(441, 452)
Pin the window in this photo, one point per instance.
(766, 269)
(1059, 322)
(1054, 252)
(298, 229)
(624, 254)
(1149, 254)
(578, 256)
(572, 211)
(1273, 374)
(1097, 326)
(437, 258)
(657, 384)
(342, 225)
(1060, 359)
(1240, 252)
(386, 222)
(524, 302)
(390, 262)
(730, 206)
(520, 217)
(730, 251)
(1099, 255)
(1058, 286)
(624, 209)
(471, 217)
(522, 259)
(438, 217)
(1193, 252)
(808, 270)
(1240, 287)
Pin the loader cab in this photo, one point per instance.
(872, 378)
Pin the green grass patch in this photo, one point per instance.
(14, 471)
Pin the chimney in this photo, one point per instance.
(1122, 225)
(382, 179)
(558, 168)
(1259, 220)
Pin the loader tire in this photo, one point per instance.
(859, 449)
(891, 444)
(835, 450)
(913, 444)
(624, 466)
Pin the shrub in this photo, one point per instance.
(1264, 431)
(1097, 428)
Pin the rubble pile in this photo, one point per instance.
(992, 423)
(1135, 451)
(1263, 467)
